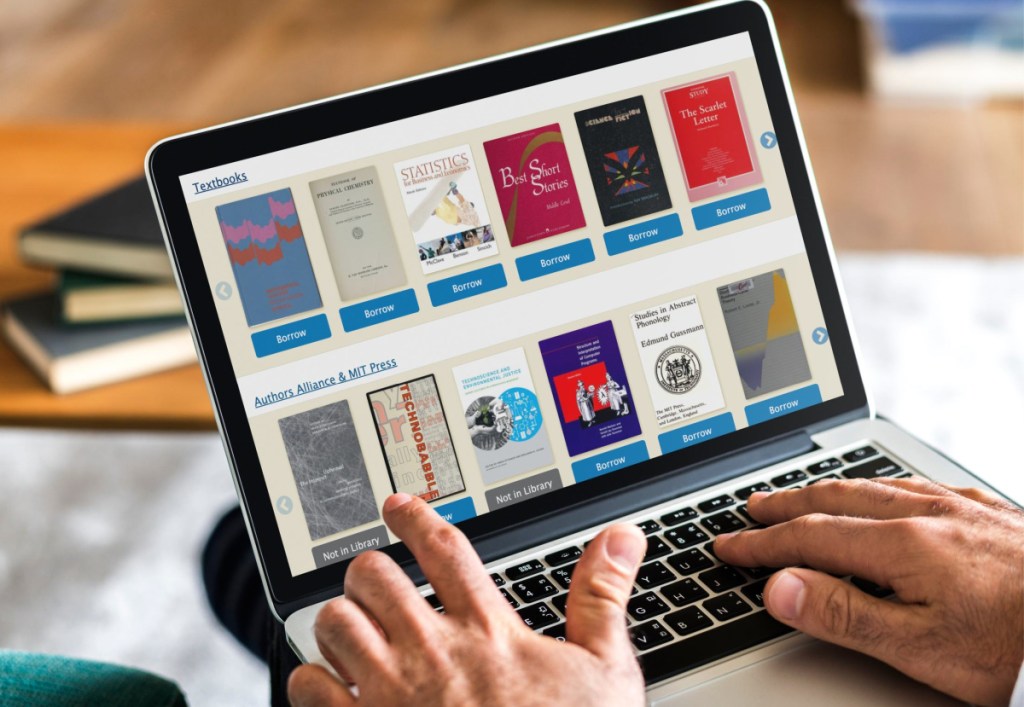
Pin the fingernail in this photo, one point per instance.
(396, 500)
(787, 596)
(625, 548)
(726, 536)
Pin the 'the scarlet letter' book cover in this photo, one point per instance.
(712, 137)
(268, 256)
(535, 185)
(624, 165)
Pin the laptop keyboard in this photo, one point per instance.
(687, 607)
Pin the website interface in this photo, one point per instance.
(486, 303)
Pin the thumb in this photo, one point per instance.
(601, 583)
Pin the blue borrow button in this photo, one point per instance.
(379, 310)
(783, 404)
(730, 209)
(457, 511)
(609, 461)
(643, 234)
(555, 259)
(468, 284)
(696, 433)
(292, 335)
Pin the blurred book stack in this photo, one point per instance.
(115, 312)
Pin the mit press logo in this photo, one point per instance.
(678, 369)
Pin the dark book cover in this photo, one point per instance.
(623, 160)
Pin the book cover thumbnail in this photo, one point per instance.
(445, 205)
(358, 234)
(329, 469)
(503, 416)
(764, 333)
(589, 383)
(415, 439)
(268, 256)
(535, 186)
(712, 137)
(623, 160)
(677, 361)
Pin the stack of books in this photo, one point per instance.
(115, 313)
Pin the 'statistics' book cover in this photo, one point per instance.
(415, 439)
(589, 384)
(712, 137)
(623, 160)
(445, 205)
(535, 186)
(268, 256)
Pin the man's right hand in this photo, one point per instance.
(953, 557)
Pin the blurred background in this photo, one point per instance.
(914, 122)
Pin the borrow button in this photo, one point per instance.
(731, 209)
(696, 433)
(783, 404)
(469, 284)
(379, 310)
(457, 511)
(292, 335)
(643, 234)
(555, 259)
(610, 461)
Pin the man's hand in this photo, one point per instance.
(953, 557)
(398, 650)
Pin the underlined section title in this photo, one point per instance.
(316, 385)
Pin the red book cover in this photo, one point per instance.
(712, 137)
(534, 183)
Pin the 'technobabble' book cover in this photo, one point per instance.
(624, 164)
(329, 469)
(589, 383)
(535, 186)
(268, 256)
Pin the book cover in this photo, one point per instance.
(415, 439)
(358, 234)
(590, 388)
(329, 469)
(535, 186)
(445, 205)
(677, 361)
(764, 333)
(87, 298)
(712, 137)
(503, 416)
(268, 256)
(623, 160)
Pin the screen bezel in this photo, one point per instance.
(221, 145)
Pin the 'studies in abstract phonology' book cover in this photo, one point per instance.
(535, 186)
(268, 256)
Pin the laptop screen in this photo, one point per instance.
(483, 304)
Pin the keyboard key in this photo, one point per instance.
(904, 475)
(497, 579)
(563, 575)
(560, 602)
(677, 517)
(687, 621)
(649, 526)
(685, 536)
(716, 504)
(685, 592)
(653, 575)
(649, 635)
(433, 601)
(742, 510)
(556, 632)
(534, 588)
(710, 549)
(882, 466)
(870, 587)
(563, 556)
(524, 570)
(724, 522)
(759, 572)
(721, 578)
(538, 615)
(755, 593)
(728, 606)
(510, 599)
(645, 606)
(690, 561)
(823, 466)
(822, 478)
(656, 547)
(746, 492)
(789, 478)
(859, 455)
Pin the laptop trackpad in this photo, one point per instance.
(814, 673)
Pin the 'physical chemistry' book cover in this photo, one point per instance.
(329, 469)
(445, 205)
(588, 381)
(712, 137)
(623, 160)
(503, 415)
(358, 233)
(268, 256)
(535, 186)
(415, 439)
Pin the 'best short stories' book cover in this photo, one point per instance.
(535, 186)
(445, 205)
(268, 256)
(589, 384)
(712, 137)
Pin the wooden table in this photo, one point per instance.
(891, 177)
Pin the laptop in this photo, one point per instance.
(578, 284)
